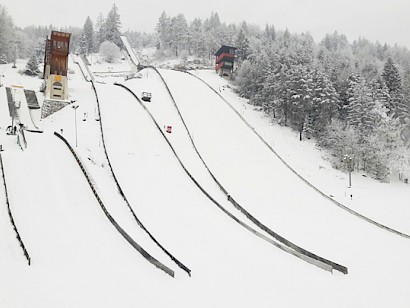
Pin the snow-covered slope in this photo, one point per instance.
(384, 203)
(262, 184)
(80, 260)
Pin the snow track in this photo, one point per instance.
(130, 52)
(134, 244)
(120, 190)
(357, 214)
(287, 246)
(88, 76)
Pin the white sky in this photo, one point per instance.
(382, 20)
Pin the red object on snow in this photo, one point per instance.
(169, 129)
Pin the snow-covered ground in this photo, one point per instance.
(80, 260)
(385, 203)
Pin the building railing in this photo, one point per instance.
(224, 55)
(219, 66)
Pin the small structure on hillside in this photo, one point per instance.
(225, 58)
(146, 96)
(55, 72)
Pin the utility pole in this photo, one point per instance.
(15, 52)
(349, 160)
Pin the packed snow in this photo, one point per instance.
(78, 259)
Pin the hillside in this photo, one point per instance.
(79, 259)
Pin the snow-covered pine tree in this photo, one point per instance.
(196, 41)
(399, 104)
(391, 76)
(112, 26)
(179, 33)
(6, 33)
(244, 79)
(242, 42)
(270, 33)
(357, 96)
(83, 45)
(325, 100)
(163, 30)
(100, 28)
(32, 66)
(261, 68)
(300, 97)
(88, 35)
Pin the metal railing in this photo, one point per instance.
(19, 239)
(128, 238)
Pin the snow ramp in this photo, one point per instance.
(60, 220)
(130, 51)
(282, 242)
(123, 195)
(153, 180)
(256, 179)
(342, 206)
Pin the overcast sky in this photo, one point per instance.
(382, 20)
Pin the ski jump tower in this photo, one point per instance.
(55, 72)
(225, 58)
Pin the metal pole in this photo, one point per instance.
(75, 116)
(75, 124)
(15, 55)
(13, 111)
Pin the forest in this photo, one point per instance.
(351, 98)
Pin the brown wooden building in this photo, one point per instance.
(56, 65)
(57, 50)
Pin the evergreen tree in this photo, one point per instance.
(356, 98)
(112, 26)
(270, 33)
(163, 30)
(391, 76)
(398, 104)
(242, 42)
(83, 45)
(100, 30)
(325, 100)
(179, 33)
(6, 33)
(197, 44)
(32, 66)
(88, 36)
(300, 97)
